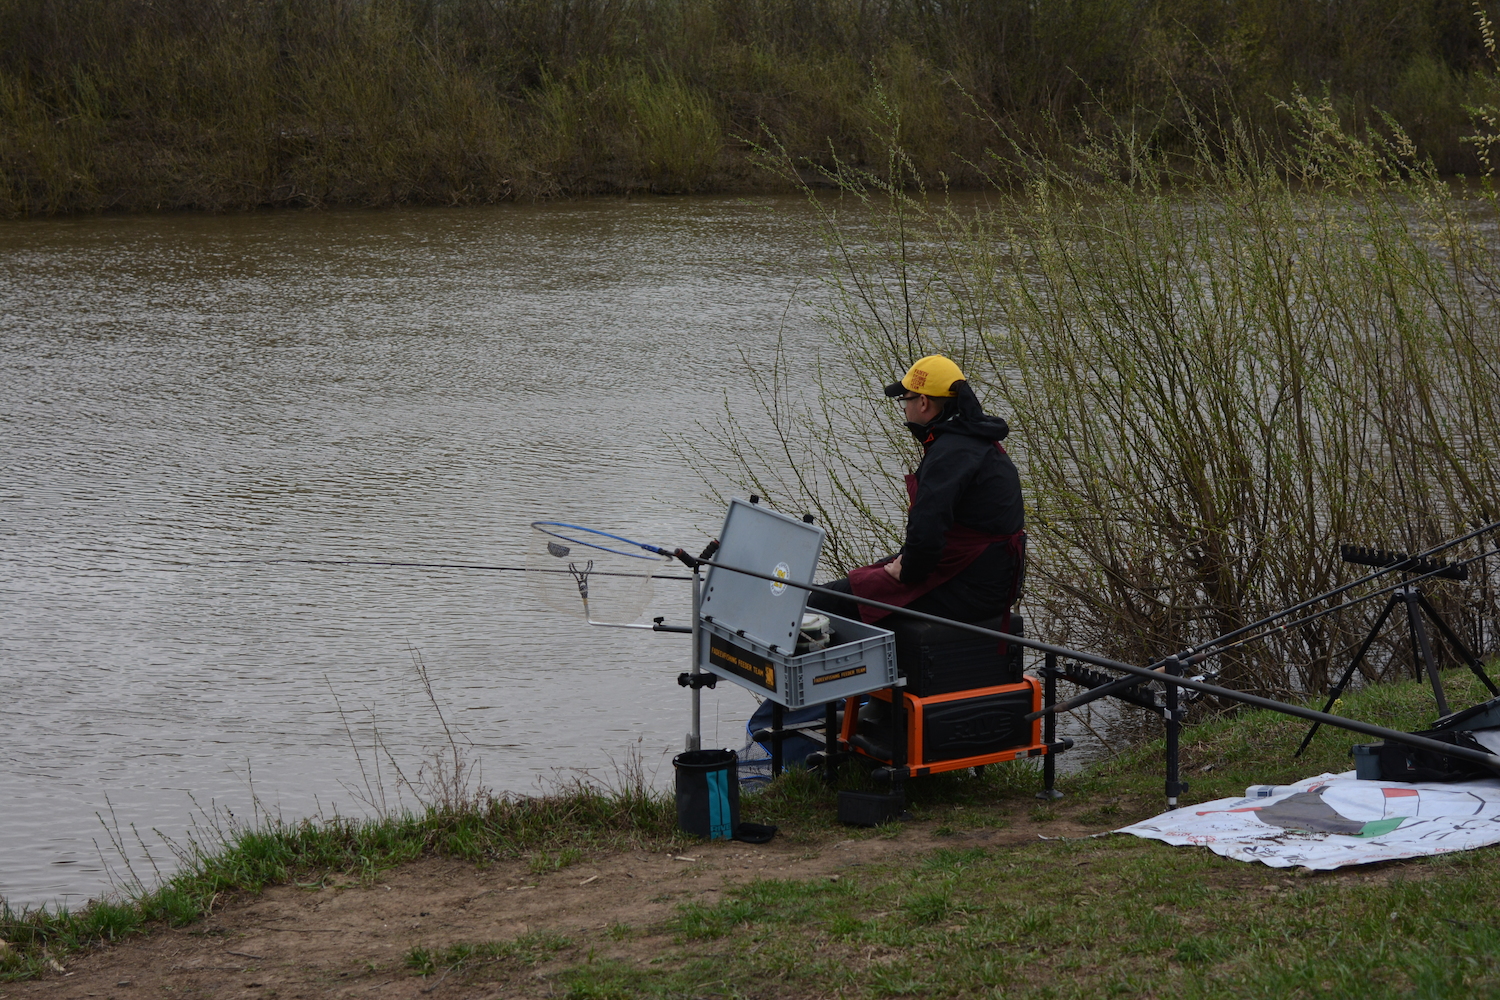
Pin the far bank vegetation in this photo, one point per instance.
(239, 104)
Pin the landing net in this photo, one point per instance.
(588, 574)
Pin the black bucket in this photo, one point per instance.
(708, 793)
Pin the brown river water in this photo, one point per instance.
(183, 391)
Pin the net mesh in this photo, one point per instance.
(589, 574)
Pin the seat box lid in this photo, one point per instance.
(766, 542)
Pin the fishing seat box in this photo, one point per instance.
(940, 659)
(946, 732)
(748, 627)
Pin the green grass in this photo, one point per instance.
(525, 951)
(1093, 918)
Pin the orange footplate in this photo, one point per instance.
(949, 731)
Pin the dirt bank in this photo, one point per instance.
(352, 940)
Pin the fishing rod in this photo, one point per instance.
(427, 565)
(1445, 570)
(1200, 654)
(1195, 658)
(563, 538)
(1487, 760)
(1203, 651)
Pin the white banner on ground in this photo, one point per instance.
(1335, 820)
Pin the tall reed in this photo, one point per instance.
(1219, 364)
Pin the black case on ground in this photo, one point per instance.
(1397, 762)
(940, 659)
(1403, 763)
(869, 808)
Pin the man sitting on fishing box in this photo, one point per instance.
(965, 545)
(965, 541)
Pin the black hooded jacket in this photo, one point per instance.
(962, 479)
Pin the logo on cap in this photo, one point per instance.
(918, 377)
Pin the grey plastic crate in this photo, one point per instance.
(864, 660)
(749, 625)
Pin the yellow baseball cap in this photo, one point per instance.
(933, 375)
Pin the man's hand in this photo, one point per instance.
(894, 568)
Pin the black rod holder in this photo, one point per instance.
(1174, 785)
(1416, 605)
(778, 717)
(1049, 730)
(830, 743)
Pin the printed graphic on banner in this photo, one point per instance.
(1335, 820)
(742, 663)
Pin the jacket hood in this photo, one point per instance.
(964, 415)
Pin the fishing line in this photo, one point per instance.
(576, 569)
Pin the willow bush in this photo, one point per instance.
(1217, 366)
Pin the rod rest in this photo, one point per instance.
(1140, 695)
(1383, 557)
(696, 681)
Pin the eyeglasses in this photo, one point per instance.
(907, 398)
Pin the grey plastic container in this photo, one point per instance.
(863, 660)
(1366, 761)
(749, 626)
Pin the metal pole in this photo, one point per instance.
(830, 742)
(695, 735)
(1457, 644)
(1424, 649)
(778, 720)
(1175, 787)
(1049, 730)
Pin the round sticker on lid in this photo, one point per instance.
(781, 572)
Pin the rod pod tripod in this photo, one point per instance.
(1423, 660)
